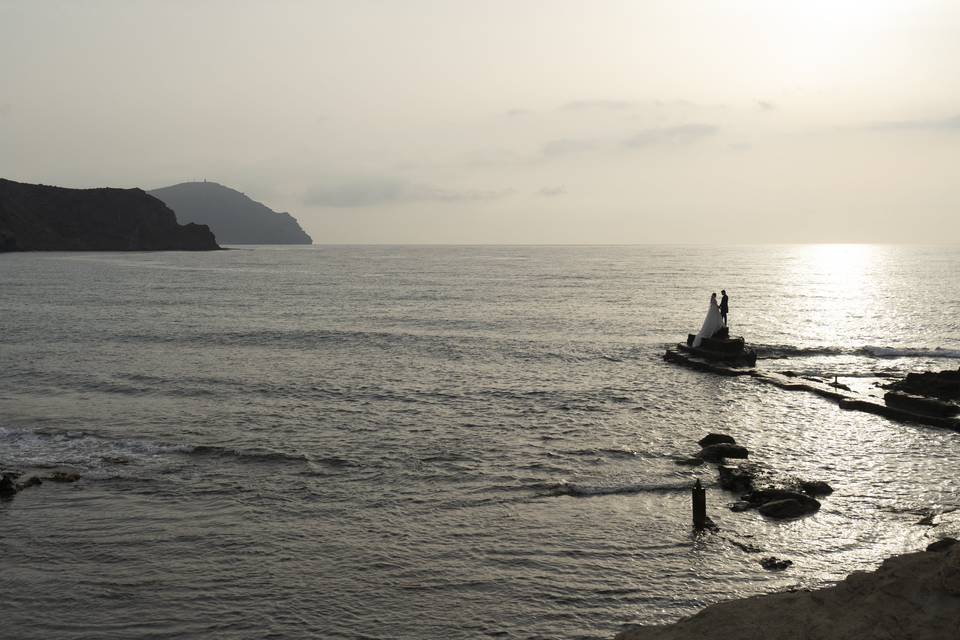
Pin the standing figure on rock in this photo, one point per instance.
(724, 306)
(711, 323)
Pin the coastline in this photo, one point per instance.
(914, 595)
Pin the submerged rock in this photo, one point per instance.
(789, 508)
(32, 481)
(769, 494)
(775, 564)
(63, 476)
(738, 478)
(716, 452)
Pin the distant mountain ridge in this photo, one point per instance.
(233, 217)
(37, 217)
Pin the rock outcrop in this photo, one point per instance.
(914, 596)
(944, 385)
(234, 218)
(36, 217)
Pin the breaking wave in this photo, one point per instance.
(586, 491)
(26, 448)
(771, 352)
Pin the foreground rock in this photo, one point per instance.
(915, 596)
(782, 503)
(36, 217)
(233, 217)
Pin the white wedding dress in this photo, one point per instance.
(711, 323)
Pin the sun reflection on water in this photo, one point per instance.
(842, 285)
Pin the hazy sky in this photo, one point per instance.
(488, 121)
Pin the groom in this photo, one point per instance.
(724, 306)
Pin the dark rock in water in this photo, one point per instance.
(738, 478)
(942, 544)
(762, 496)
(789, 508)
(721, 334)
(63, 476)
(231, 215)
(929, 520)
(715, 438)
(896, 413)
(7, 484)
(741, 505)
(919, 404)
(36, 217)
(693, 461)
(775, 564)
(933, 384)
(716, 452)
(782, 503)
(815, 487)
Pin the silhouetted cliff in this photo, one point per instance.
(235, 218)
(35, 217)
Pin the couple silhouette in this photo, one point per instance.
(716, 317)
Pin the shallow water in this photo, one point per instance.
(462, 442)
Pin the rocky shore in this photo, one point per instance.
(929, 398)
(914, 596)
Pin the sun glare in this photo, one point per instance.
(842, 275)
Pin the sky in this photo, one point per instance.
(514, 121)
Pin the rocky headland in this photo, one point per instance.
(914, 596)
(35, 217)
(234, 218)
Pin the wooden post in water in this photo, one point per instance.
(699, 506)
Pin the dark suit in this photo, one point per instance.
(724, 308)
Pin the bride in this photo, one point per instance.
(711, 323)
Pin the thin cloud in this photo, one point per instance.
(765, 105)
(552, 192)
(943, 124)
(516, 113)
(370, 192)
(683, 134)
(581, 105)
(566, 146)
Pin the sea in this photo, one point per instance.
(445, 441)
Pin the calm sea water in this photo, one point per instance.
(455, 442)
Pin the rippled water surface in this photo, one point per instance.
(457, 442)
